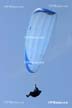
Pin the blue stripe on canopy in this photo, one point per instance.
(28, 63)
(47, 11)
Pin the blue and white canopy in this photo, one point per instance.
(37, 37)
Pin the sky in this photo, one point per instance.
(54, 78)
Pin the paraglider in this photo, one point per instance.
(37, 37)
(34, 93)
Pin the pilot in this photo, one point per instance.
(34, 93)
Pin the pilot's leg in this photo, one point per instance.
(29, 94)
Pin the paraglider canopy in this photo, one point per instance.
(38, 37)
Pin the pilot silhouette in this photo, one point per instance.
(34, 93)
